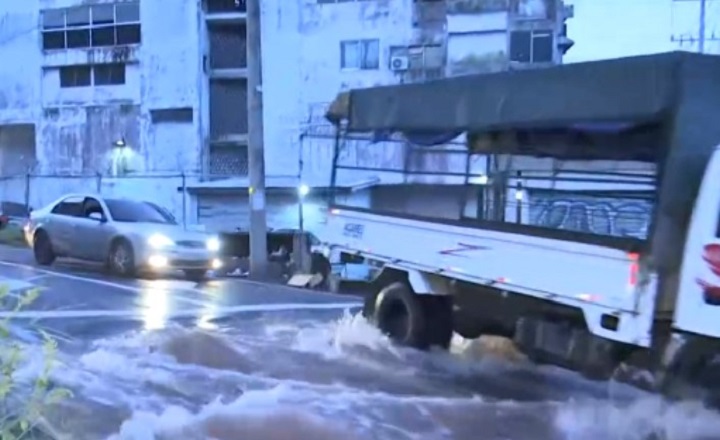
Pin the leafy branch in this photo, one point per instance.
(19, 422)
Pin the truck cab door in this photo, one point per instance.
(697, 307)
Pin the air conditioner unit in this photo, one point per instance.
(399, 63)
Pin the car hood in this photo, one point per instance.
(174, 232)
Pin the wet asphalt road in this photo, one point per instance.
(284, 346)
(81, 301)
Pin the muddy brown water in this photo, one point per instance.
(330, 375)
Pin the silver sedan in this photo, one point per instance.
(129, 236)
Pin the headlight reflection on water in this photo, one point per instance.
(155, 306)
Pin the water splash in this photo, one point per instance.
(289, 378)
(643, 419)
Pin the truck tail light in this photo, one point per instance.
(634, 268)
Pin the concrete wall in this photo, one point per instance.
(17, 149)
(164, 189)
(306, 72)
(20, 79)
(76, 126)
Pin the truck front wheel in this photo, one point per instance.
(418, 321)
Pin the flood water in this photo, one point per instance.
(328, 375)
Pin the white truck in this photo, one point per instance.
(584, 301)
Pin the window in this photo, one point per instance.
(131, 211)
(101, 25)
(228, 160)
(72, 206)
(360, 54)
(181, 114)
(92, 206)
(420, 57)
(213, 6)
(165, 213)
(75, 76)
(108, 74)
(87, 75)
(531, 46)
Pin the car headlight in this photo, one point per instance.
(160, 241)
(213, 244)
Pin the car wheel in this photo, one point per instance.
(196, 275)
(121, 259)
(42, 249)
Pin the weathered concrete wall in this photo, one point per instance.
(40, 190)
(306, 72)
(71, 130)
(17, 149)
(20, 52)
(172, 59)
(474, 35)
(76, 126)
(77, 139)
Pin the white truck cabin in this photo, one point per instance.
(477, 262)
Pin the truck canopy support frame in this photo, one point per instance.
(657, 108)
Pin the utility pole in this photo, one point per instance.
(702, 36)
(256, 149)
(701, 27)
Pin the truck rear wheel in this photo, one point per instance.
(417, 321)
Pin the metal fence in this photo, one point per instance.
(450, 182)
(33, 190)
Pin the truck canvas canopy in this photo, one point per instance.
(662, 109)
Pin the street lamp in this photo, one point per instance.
(303, 190)
(119, 157)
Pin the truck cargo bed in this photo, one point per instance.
(559, 265)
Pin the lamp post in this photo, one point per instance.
(302, 192)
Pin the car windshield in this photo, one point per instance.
(165, 213)
(130, 211)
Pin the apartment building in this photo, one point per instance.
(155, 90)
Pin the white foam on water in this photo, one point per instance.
(637, 420)
(267, 415)
(335, 339)
(338, 379)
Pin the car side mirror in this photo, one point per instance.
(97, 216)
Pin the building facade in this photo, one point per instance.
(149, 97)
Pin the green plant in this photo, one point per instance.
(22, 409)
(12, 235)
